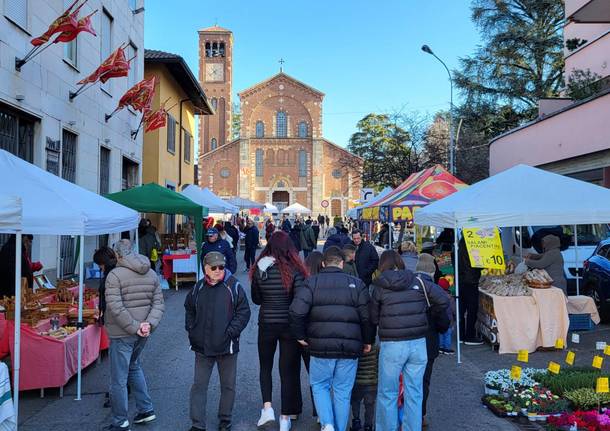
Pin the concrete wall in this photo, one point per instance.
(45, 83)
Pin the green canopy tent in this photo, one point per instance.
(153, 198)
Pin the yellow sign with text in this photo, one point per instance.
(515, 372)
(601, 386)
(370, 213)
(484, 248)
(554, 367)
(570, 358)
(522, 356)
(405, 213)
(559, 344)
(597, 362)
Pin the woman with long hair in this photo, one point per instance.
(313, 262)
(275, 276)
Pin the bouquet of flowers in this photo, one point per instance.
(502, 381)
(590, 420)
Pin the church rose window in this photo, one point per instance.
(260, 129)
(224, 173)
(282, 129)
(302, 129)
(337, 173)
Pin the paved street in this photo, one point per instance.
(455, 399)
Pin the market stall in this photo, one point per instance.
(67, 210)
(209, 200)
(296, 208)
(520, 196)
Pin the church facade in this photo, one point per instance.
(280, 155)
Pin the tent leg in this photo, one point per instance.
(576, 260)
(456, 274)
(17, 348)
(81, 276)
(520, 243)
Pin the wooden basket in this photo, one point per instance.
(535, 285)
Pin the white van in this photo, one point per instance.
(588, 238)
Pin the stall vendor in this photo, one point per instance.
(550, 260)
(7, 265)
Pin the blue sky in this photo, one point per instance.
(364, 55)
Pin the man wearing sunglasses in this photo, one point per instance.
(217, 311)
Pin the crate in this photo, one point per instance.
(580, 322)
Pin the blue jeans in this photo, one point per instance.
(444, 340)
(409, 358)
(338, 375)
(126, 365)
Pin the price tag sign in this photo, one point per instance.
(515, 372)
(597, 362)
(575, 338)
(523, 356)
(607, 351)
(485, 248)
(600, 345)
(559, 344)
(601, 386)
(570, 358)
(554, 367)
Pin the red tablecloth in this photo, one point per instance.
(50, 363)
(168, 263)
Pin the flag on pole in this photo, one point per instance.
(155, 120)
(113, 67)
(67, 21)
(84, 24)
(139, 97)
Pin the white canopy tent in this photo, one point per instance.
(208, 199)
(296, 208)
(270, 208)
(244, 204)
(54, 206)
(520, 196)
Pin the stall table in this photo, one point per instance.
(524, 322)
(180, 267)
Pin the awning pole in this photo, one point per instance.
(576, 260)
(521, 243)
(456, 275)
(17, 347)
(81, 276)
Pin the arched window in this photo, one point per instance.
(281, 126)
(208, 49)
(281, 157)
(222, 49)
(214, 103)
(259, 162)
(213, 143)
(302, 129)
(215, 49)
(260, 129)
(270, 157)
(302, 163)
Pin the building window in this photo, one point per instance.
(53, 148)
(302, 129)
(213, 144)
(17, 135)
(106, 43)
(170, 219)
(70, 52)
(132, 53)
(214, 49)
(171, 134)
(214, 103)
(270, 159)
(260, 129)
(104, 170)
(337, 173)
(17, 11)
(302, 163)
(259, 162)
(68, 157)
(187, 147)
(208, 49)
(281, 157)
(222, 49)
(129, 176)
(133, 4)
(282, 129)
(224, 172)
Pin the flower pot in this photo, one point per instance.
(491, 391)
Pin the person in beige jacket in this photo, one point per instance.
(134, 307)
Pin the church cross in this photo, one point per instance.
(281, 61)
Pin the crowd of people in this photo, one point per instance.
(361, 323)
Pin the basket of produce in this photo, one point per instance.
(538, 279)
(60, 333)
(89, 315)
(505, 285)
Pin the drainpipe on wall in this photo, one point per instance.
(178, 188)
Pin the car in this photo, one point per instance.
(596, 278)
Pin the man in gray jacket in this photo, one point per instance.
(134, 307)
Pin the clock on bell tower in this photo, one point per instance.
(216, 78)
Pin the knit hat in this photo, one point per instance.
(425, 264)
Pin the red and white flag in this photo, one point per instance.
(116, 65)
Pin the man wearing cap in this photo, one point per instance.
(215, 243)
(217, 311)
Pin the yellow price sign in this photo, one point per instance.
(523, 356)
(607, 350)
(515, 372)
(554, 367)
(559, 344)
(597, 362)
(601, 386)
(484, 248)
(570, 358)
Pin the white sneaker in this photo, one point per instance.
(328, 428)
(267, 417)
(285, 424)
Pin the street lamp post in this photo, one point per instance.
(427, 50)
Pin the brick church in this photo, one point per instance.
(280, 155)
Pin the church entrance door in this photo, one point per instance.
(335, 208)
(281, 199)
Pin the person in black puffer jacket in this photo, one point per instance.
(276, 276)
(399, 306)
(330, 316)
(366, 257)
